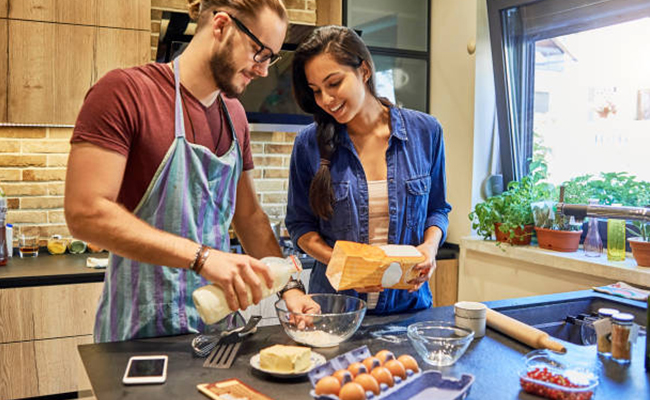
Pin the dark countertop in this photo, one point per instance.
(494, 360)
(47, 269)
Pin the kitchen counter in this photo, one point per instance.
(47, 269)
(494, 360)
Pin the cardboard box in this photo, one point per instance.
(357, 265)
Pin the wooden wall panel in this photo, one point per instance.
(3, 8)
(73, 70)
(67, 11)
(59, 365)
(132, 14)
(3, 66)
(115, 48)
(17, 371)
(31, 78)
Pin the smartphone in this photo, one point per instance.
(145, 369)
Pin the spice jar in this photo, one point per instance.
(604, 344)
(56, 245)
(621, 330)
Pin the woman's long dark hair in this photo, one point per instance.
(347, 48)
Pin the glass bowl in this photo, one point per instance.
(439, 343)
(556, 376)
(339, 319)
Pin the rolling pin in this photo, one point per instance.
(522, 332)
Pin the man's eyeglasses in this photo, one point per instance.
(264, 53)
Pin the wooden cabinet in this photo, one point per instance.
(119, 48)
(444, 283)
(48, 86)
(3, 68)
(131, 14)
(58, 49)
(40, 328)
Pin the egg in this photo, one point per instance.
(409, 362)
(352, 391)
(383, 375)
(371, 362)
(396, 368)
(368, 382)
(384, 355)
(343, 375)
(357, 368)
(328, 385)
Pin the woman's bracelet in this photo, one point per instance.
(199, 258)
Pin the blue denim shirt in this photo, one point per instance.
(416, 196)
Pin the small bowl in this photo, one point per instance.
(439, 343)
(556, 376)
(339, 319)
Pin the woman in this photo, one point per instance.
(365, 171)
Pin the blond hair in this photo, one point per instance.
(201, 10)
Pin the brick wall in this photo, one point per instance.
(33, 162)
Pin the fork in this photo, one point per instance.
(224, 354)
(203, 344)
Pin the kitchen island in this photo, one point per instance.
(494, 360)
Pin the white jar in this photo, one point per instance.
(471, 315)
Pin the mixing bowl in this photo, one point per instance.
(439, 343)
(339, 318)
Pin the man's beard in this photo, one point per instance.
(224, 71)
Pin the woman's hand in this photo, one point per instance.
(299, 302)
(427, 267)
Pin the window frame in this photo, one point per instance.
(402, 53)
(551, 18)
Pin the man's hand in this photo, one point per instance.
(234, 274)
(426, 267)
(299, 302)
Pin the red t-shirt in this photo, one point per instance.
(131, 111)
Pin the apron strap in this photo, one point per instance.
(224, 108)
(179, 122)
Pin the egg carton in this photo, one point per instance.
(422, 385)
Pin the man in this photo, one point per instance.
(160, 167)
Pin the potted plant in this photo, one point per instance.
(555, 231)
(509, 215)
(641, 243)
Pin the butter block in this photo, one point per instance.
(358, 265)
(281, 358)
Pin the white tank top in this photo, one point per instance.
(377, 222)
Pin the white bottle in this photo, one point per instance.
(210, 300)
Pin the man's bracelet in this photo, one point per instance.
(199, 259)
(292, 284)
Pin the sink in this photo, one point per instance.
(567, 316)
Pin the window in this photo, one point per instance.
(397, 34)
(571, 75)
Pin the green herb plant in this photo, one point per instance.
(642, 230)
(512, 208)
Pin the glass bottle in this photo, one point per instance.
(593, 244)
(3, 238)
(210, 301)
(616, 239)
(604, 343)
(621, 344)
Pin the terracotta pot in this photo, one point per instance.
(522, 236)
(640, 251)
(565, 241)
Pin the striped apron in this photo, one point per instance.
(191, 195)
